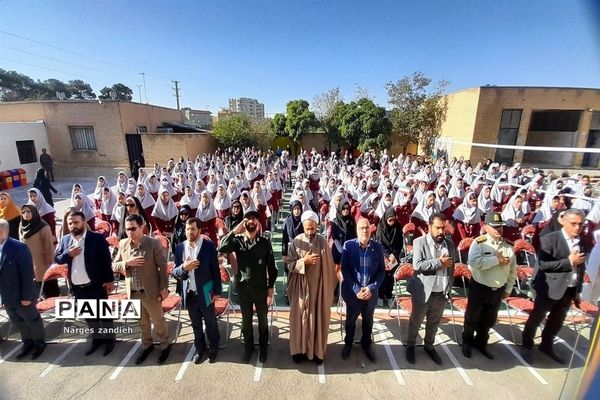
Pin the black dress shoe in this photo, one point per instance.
(434, 355)
(95, 346)
(466, 350)
(26, 349)
(37, 351)
(299, 358)
(212, 356)
(142, 357)
(346, 352)
(369, 353)
(527, 354)
(410, 354)
(318, 360)
(164, 355)
(247, 355)
(109, 347)
(484, 350)
(262, 355)
(549, 351)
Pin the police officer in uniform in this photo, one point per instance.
(254, 279)
(492, 262)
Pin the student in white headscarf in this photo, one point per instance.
(165, 212)
(191, 199)
(222, 202)
(146, 200)
(467, 218)
(107, 204)
(121, 185)
(117, 214)
(485, 202)
(80, 202)
(513, 216)
(424, 209)
(98, 190)
(153, 185)
(207, 214)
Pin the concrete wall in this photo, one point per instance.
(136, 114)
(493, 100)
(159, 147)
(460, 120)
(10, 132)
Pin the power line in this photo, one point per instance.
(37, 66)
(56, 59)
(58, 48)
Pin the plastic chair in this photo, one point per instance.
(525, 271)
(408, 234)
(404, 272)
(223, 306)
(47, 306)
(172, 302)
(463, 274)
(103, 228)
(165, 243)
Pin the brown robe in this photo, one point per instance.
(310, 290)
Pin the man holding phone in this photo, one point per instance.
(558, 282)
(143, 261)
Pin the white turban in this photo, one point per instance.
(309, 214)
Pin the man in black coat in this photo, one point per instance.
(558, 282)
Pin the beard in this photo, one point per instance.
(251, 227)
(439, 238)
(76, 231)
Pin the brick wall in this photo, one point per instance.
(159, 147)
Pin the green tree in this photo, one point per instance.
(81, 90)
(418, 111)
(362, 124)
(263, 133)
(16, 87)
(324, 106)
(299, 119)
(122, 92)
(51, 88)
(278, 124)
(234, 130)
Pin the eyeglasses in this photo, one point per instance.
(132, 229)
(130, 205)
(184, 214)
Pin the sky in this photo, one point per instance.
(276, 51)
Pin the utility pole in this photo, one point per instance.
(139, 91)
(176, 89)
(143, 74)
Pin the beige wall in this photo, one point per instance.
(460, 120)
(159, 147)
(493, 100)
(136, 114)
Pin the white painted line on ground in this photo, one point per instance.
(390, 355)
(61, 357)
(258, 371)
(186, 363)
(568, 346)
(118, 370)
(10, 353)
(457, 365)
(321, 369)
(531, 370)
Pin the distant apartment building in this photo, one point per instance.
(200, 118)
(250, 107)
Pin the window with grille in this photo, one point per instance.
(26, 151)
(83, 137)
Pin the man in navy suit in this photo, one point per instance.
(18, 293)
(363, 271)
(196, 264)
(87, 255)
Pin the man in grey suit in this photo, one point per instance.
(433, 262)
(557, 283)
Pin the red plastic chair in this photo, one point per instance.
(223, 306)
(48, 305)
(103, 228)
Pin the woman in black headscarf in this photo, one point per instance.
(389, 234)
(235, 217)
(341, 229)
(42, 183)
(185, 212)
(292, 227)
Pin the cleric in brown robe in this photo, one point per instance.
(310, 289)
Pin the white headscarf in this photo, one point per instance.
(147, 200)
(118, 211)
(423, 212)
(485, 205)
(152, 187)
(510, 215)
(207, 211)
(466, 213)
(42, 206)
(85, 208)
(107, 205)
(98, 189)
(222, 202)
(192, 201)
(165, 212)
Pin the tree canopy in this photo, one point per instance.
(15, 86)
(237, 130)
(122, 92)
(362, 124)
(298, 119)
(418, 111)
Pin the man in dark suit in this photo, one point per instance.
(363, 270)
(558, 282)
(197, 265)
(18, 293)
(87, 255)
(433, 262)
